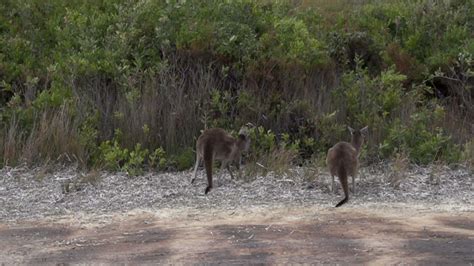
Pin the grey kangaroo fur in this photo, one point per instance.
(217, 144)
(343, 161)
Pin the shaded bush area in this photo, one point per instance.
(126, 84)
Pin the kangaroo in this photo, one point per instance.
(217, 144)
(342, 161)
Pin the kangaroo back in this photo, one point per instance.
(217, 144)
(342, 160)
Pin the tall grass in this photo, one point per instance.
(52, 137)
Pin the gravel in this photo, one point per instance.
(37, 193)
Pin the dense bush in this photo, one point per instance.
(420, 143)
(126, 85)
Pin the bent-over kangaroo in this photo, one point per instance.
(217, 144)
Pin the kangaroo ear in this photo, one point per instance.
(365, 130)
(244, 130)
(250, 125)
(351, 130)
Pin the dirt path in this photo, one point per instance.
(270, 235)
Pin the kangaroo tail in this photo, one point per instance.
(208, 165)
(342, 173)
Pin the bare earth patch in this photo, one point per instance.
(279, 235)
(161, 218)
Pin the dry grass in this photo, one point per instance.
(468, 155)
(53, 137)
(159, 109)
(93, 177)
(168, 106)
(311, 173)
(167, 109)
(9, 142)
(278, 161)
(436, 171)
(399, 169)
(459, 125)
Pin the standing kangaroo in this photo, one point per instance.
(342, 160)
(217, 144)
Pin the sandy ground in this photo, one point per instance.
(427, 218)
(272, 235)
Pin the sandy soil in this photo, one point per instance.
(65, 216)
(377, 234)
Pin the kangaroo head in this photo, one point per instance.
(244, 137)
(358, 136)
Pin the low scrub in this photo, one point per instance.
(128, 86)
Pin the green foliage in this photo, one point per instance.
(269, 154)
(220, 107)
(183, 160)
(291, 41)
(136, 160)
(329, 132)
(54, 97)
(286, 142)
(378, 102)
(355, 49)
(461, 74)
(433, 32)
(270, 62)
(157, 159)
(422, 144)
(263, 141)
(112, 155)
(373, 102)
(88, 135)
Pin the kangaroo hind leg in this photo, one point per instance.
(198, 161)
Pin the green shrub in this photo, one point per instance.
(347, 48)
(136, 159)
(115, 158)
(263, 141)
(220, 108)
(291, 41)
(88, 139)
(422, 144)
(184, 159)
(373, 102)
(432, 32)
(112, 156)
(328, 132)
(157, 159)
(162, 70)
